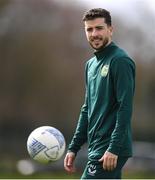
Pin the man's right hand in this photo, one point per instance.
(69, 162)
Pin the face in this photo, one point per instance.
(98, 33)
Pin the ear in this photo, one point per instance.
(111, 30)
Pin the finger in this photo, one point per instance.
(66, 166)
(109, 164)
(70, 161)
(100, 160)
(115, 162)
(69, 168)
(105, 164)
(65, 161)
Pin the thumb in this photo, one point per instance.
(101, 159)
(70, 161)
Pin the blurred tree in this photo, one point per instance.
(3, 3)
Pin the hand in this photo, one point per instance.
(109, 161)
(69, 162)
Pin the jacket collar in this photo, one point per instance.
(103, 52)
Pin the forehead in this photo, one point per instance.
(95, 22)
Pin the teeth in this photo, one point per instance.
(96, 41)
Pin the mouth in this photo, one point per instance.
(96, 42)
(96, 39)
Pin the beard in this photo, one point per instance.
(99, 44)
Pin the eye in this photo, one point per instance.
(89, 29)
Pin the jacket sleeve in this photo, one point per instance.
(123, 72)
(80, 135)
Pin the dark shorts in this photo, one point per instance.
(94, 170)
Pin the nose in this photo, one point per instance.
(94, 32)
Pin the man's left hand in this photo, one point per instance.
(109, 161)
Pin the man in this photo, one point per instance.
(105, 117)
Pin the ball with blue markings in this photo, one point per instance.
(46, 144)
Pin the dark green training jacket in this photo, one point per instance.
(105, 117)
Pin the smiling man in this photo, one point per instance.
(98, 33)
(105, 117)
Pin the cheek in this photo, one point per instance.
(106, 34)
(88, 36)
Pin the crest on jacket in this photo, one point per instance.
(104, 70)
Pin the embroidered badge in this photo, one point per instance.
(104, 70)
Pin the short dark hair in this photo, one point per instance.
(97, 13)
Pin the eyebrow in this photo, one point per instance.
(101, 25)
(97, 26)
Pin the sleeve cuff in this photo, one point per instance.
(114, 149)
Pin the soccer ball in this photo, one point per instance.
(46, 144)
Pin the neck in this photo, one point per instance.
(96, 50)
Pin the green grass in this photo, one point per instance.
(63, 175)
(41, 175)
(139, 175)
